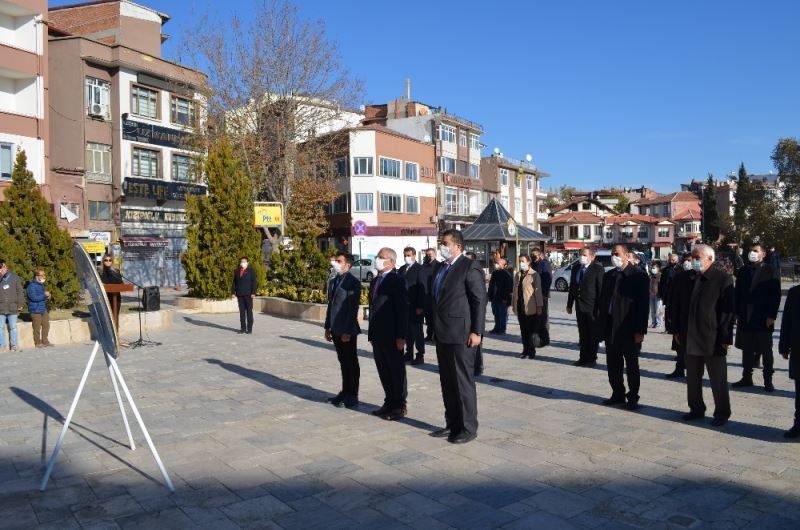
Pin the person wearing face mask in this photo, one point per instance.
(341, 327)
(668, 273)
(416, 284)
(758, 298)
(702, 312)
(388, 326)
(527, 303)
(655, 302)
(789, 348)
(623, 321)
(459, 311)
(545, 272)
(37, 307)
(245, 285)
(501, 285)
(586, 282)
(11, 299)
(430, 265)
(680, 280)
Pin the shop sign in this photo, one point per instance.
(94, 247)
(130, 215)
(153, 134)
(104, 237)
(268, 214)
(160, 189)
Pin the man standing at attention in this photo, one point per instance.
(545, 271)
(341, 327)
(501, 284)
(244, 289)
(585, 285)
(388, 325)
(624, 306)
(789, 348)
(431, 265)
(459, 310)
(12, 299)
(37, 307)
(416, 280)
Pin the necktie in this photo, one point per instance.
(580, 274)
(377, 283)
(440, 279)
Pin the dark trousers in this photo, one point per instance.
(717, 376)
(756, 343)
(587, 336)
(392, 373)
(627, 359)
(479, 357)
(456, 374)
(348, 362)
(428, 323)
(415, 337)
(528, 326)
(797, 401)
(245, 312)
(500, 312)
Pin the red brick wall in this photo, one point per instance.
(85, 20)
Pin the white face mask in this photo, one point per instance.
(409, 260)
(523, 266)
(584, 260)
(445, 251)
(687, 265)
(697, 265)
(243, 264)
(41, 280)
(654, 270)
(380, 263)
(497, 266)
(617, 261)
(753, 256)
(337, 267)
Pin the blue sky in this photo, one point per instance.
(601, 93)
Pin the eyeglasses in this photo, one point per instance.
(106, 261)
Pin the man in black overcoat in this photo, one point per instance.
(459, 310)
(701, 320)
(415, 276)
(622, 319)
(501, 283)
(585, 286)
(245, 285)
(789, 348)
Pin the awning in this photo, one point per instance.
(662, 244)
(144, 242)
(573, 246)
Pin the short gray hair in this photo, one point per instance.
(705, 250)
(390, 252)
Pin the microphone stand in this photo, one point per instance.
(140, 342)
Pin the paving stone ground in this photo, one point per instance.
(243, 428)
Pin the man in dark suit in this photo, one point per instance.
(758, 298)
(668, 274)
(789, 348)
(388, 325)
(430, 264)
(416, 284)
(678, 284)
(585, 286)
(459, 310)
(545, 271)
(341, 327)
(701, 320)
(501, 284)
(244, 289)
(624, 308)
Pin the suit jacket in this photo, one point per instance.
(545, 271)
(682, 281)
(244, 284)
(388, 308)
(501, 285)
(430, 274)
(624, 306)
(585, 295)
(758, 297)
(460, 308)
(790, 331)
(668, 274)
(341, 316)
(416, 277)
(711, 325)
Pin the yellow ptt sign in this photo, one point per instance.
(268, 214)
(94, 247)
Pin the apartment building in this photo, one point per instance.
(23, 89)
(515, 184)
(573, 230)
(124, 118)
(388, 192)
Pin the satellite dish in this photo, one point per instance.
(497, 150)
(529, 158)
(362, 108)
(427, 138)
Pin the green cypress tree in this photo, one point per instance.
(220, 228)
(743, 205)
(710, 220)
(33, 239)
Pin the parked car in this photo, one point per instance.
(561, 275)
(364, 269)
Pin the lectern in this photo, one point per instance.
(114, 292)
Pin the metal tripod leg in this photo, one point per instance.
(119, 401)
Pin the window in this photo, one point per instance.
(609, 233)
(412, 204)
(390, 168)
(98, 96)
(560, 233)
(412, 171)
(364, 202)
(98, 162)
(517, 206)
(474, 142)
(626, 233)
(447, 165)
(451, 200)
(184, 168)
(504, 177)
(529, 205)
(518, 180)
(181, 111)
(362, 166)
(339, 204)
(529, 181)
(145, 163)
(573, 232)
(546, 230)
(504, 201)
(587, 231)
(341, 167)
(447, 133)
(644, 232)
(144, 102)
(586, 206)
(99, 211)
(598, 230)
(474, 171)
(6, 160)
(390, 203)
(663, 231)
(462, 138)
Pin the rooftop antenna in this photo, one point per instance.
(408, 88)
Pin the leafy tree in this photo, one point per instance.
(710, 222)
(220, 227)
(743, 205)
(566, 193)
(786, 157)
(623, 204)
(31, 238)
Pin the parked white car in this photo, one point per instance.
(561, 275)
(364, 270)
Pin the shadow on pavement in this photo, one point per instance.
(206, 324)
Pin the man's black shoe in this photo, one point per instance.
(613, 401)
(441, 433)
(632, 405)
(719, 422)
(523, 355)
(395, 414)
(335, 400)
(794, 432)
(768, 386)
(675, 374)
(408, 357)
(492, 331)
(478, 371)
(590, 364)
(381, 411)
(250, 332)
(350, 402)
(689, 416)
(241, 332)
(419, 360)
(579, 362)
(744, 382)
(462, 438)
